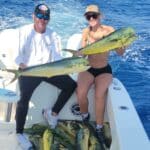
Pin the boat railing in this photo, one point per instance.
(7, 108)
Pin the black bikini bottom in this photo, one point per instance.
(97, 71)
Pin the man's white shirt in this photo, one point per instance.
(36, 48)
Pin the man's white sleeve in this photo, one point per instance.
(56, 47)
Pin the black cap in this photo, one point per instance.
(42, 9)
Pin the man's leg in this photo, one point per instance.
(27, 86)
(67, 86)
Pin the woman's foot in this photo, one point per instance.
(85, 117)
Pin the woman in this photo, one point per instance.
(99, 74)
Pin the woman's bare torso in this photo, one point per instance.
(97, 60)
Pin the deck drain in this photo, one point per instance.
(116, 88)
(123, 107)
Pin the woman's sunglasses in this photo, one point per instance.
(91, 15)
(42, 16)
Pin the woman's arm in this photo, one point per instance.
(120, 51)
(84, 37)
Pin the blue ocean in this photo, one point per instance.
(133, 68)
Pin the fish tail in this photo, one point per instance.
(15, 77)
(11, 81)
(3, 68)
(12, 71)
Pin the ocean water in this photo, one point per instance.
(133, 68)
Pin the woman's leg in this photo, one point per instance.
(102, 83)
(85, 80)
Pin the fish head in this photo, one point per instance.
(128, 32)
(124, 35)
(129, 36)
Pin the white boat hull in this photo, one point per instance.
(126, 128)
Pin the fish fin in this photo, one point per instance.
(2, 66)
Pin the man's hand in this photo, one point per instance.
(22, 66)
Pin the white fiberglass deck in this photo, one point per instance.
(126, 128)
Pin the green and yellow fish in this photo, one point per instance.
(83, 139)
(119, 38)
(61, 67)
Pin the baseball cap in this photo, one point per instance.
(42, 9)
(92, 9)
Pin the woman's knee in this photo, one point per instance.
(81, 94)
(100, 96)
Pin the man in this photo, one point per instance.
(38, 45)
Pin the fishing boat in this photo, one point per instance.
(126, 129)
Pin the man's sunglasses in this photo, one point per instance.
(42, 16)
(91, 15)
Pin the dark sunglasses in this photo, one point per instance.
(91, 15)
(42, 16)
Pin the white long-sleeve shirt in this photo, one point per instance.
(36, 48)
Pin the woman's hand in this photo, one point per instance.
(121, 50)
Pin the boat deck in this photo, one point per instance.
(126, 129)
(8, 140)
